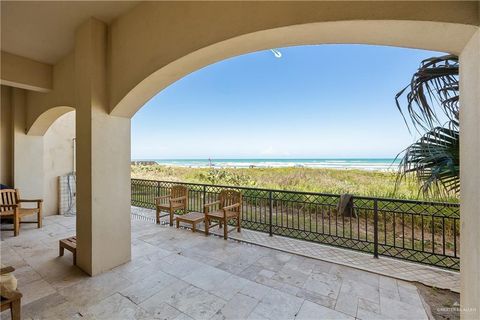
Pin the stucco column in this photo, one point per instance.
(28, 172)
(470, 178)
(103, 160)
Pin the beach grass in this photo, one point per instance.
(337, 181)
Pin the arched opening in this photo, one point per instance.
(391, 33)
(260, 197)
(46, 119)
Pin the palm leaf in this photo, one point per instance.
(434, 160)
(435, 84)
(432, 95)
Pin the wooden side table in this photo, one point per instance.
(71, 245)
(192, 217)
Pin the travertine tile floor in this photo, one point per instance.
(177, 274)
(399, 269)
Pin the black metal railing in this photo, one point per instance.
(424, 232)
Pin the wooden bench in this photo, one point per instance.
(192, 217)
(71, 245)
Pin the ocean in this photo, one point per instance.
(386, 164)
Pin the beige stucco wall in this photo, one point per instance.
(157, 43)
(44, 121)
(25, 73)
(6, 137)
(33, 163)
(62, 94)
(27, 152)
(58, 159)
(470, 177)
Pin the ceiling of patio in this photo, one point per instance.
(44, 31)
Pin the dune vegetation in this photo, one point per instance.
(337, 181)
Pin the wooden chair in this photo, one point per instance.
(229, 207)
(10, 207)
(176, 200)
(10, 297)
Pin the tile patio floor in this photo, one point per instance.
(399, 269)
(177, 274)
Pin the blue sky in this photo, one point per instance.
(325, 101)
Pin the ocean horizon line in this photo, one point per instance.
(384, 164)
(276, 158)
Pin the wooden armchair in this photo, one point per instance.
(176, 200)
(10, 297)
(10, 207)
(228, 207)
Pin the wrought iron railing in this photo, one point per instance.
(423, 232)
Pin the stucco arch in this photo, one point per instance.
(438, 36)
(63, 94)
(46, 119)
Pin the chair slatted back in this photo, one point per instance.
(230, 197)
(8, 197)
(179, 191)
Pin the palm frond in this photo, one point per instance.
(434, 86)
(431, 96)
(434, 161)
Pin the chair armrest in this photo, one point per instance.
(30, 200)
(178, 199)
(233, 206)
(157, 199)
(211, 204)
(207, 206)
(8, 269)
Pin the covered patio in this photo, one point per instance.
(105, 60)
(177, 274)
